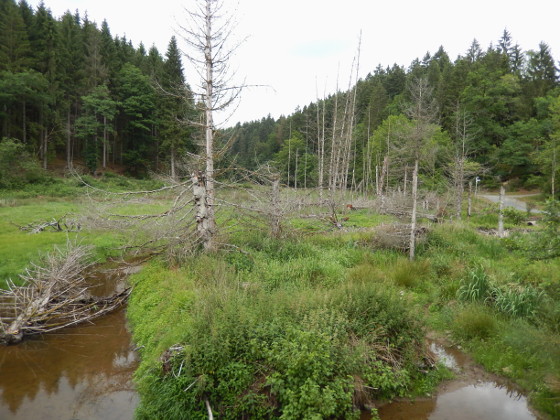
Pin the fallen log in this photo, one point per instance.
(55, 295)
(57, 225)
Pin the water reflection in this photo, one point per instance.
(469, 398)
(79, 373)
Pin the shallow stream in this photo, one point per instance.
(473, 395)
(84, 373)
(78, 373)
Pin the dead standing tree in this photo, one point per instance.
(207, 34)
(422, 112)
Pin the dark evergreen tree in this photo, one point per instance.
(15, 49)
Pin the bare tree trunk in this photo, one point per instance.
(104, 152)
(377, 190)
(276, 213)
(200, 194)
(469, 205)
(384, 171)
(210, 227)
(412, 248)
(295, 169)
(172, 163)
(501, 212)
(459, 185)
(321, 151)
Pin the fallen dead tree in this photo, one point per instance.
(396, 236)
(54, 295)
(57, 225)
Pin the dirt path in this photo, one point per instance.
(511, 201)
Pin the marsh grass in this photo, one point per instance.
(475, 287)
(19, 248)
(474, 321)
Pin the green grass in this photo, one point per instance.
(292, 327)
(317, 306)
(18, 249)
(285, 294)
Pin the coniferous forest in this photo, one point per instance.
(71, 92)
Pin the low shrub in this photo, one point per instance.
(301, 349)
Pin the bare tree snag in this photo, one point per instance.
(200, 195)
(276, 214)
(501, 212)
(208, 33)
(384, 171)
(412, 246)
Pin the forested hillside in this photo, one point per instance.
(495, 110)
(71, 90)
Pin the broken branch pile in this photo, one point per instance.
(54, 296)
(57, 225)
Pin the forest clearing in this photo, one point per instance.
(390, 250)
(325, 319)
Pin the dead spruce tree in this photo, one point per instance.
(55, 294)
(422, 111)
(461, 168)
(208, 33)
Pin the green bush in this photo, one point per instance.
(296, 350)
(18, 167)
(514, 216)
(546, 243)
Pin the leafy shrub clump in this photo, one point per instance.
(18, 167)
(255, 352)
(545, 243)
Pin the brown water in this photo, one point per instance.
(82, 372)
(474, 395)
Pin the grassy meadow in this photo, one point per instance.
(320, 322)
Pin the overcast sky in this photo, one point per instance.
(293, 46)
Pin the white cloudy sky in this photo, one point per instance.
(295, 45)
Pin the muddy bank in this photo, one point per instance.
(473, 395)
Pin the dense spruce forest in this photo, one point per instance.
(71, 92)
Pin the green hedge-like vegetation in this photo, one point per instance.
(290, 329)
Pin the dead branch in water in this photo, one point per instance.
(54, 296)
